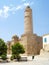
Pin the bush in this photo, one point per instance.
(4, 57)
(11, 58)
(3, 48)
(15, 57)
(17, 49)
(18, 57)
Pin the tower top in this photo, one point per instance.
(28, 20)
(28, 7)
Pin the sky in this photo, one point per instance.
(12, 17)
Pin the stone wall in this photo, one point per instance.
(32, 44)
(15, 39)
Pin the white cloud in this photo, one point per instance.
(26, 4)
(7, 10)
(4, 11)
(18, 7)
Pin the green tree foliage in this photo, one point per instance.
(3, 48)
(17, 49)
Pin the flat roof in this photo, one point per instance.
(46, 34)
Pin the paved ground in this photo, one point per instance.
(36, 61)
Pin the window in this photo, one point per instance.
(45, 39)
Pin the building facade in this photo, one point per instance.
(46, 42)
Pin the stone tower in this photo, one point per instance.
(31, 42)
(28, 20)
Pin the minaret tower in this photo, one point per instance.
(28, 21)
(29, 39)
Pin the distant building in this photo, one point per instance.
(31, 42)
(46, 42)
